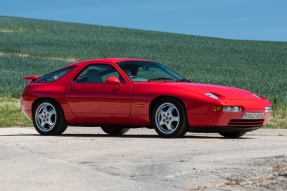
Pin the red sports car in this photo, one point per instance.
(122, 93)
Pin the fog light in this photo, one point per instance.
(232, 109)
(268, 109)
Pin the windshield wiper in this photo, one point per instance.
(183, 80)
(160, 79)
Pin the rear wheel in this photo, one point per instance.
(48, 118)
(227, 134)
(169, 118)
(114, 130)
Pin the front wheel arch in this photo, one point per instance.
(157, 99)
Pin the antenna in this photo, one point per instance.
(103, 54)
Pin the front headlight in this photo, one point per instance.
(227, 109)
(211, 95)
(232, 109)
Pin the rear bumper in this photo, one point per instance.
(28, 114)
(25, 106)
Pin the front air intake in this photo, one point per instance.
(246, 122)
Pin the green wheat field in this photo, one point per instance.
(37, 47)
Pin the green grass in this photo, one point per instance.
(11, 114)
(36, 47)
(278, 120)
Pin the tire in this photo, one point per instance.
(235, 135)
(48, 118)
(114, 130)
(169, 118)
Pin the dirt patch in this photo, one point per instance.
(32, 56)
(3, 30)
(6, 30)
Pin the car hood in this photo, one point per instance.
(221, 91)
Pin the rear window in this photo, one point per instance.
(54, 75)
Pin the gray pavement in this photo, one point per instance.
(88, 159)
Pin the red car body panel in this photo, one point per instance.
(132, 102)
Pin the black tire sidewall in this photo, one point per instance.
(116, 131)
(232, 135)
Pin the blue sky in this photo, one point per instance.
(232, 19)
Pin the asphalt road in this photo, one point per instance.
(88, 159)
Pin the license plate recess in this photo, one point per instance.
(248, 115)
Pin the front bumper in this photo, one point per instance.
(225, 119)
(231, 120)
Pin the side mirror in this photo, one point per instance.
(114, 80)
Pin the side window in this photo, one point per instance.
(96, 74)
(54, 75)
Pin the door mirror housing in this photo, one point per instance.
(113, 80)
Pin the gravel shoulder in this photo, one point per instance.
(88, 159)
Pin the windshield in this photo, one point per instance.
(149, 71)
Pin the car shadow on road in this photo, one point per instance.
(135, 136)
(283, 175)
(148, 136)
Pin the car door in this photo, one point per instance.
(89, 96)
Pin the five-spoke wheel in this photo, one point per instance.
(48, 118)
(45, 117)
(169, 118)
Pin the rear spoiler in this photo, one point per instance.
(32, 78)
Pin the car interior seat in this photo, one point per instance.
(128, 72)
(94, 77)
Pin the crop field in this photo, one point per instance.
(36, 47)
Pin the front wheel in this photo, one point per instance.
(169, 118)
(227, 134)
(114, 130)
(48, 118)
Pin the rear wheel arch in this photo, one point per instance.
(45, 98)
(64, 109)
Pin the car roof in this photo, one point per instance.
(108, 60)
